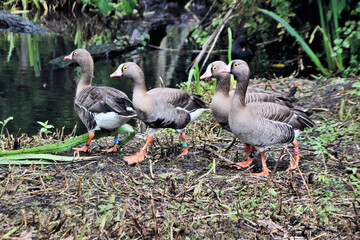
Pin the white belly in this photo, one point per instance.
(110, 120)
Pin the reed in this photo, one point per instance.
(229, 43)
(334, 59)
(194, 73)
(34, 53)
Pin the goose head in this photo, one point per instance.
(81, 56)
(213, 70)
(238, 68)
(129, 70)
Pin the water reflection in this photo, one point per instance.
(32, 89)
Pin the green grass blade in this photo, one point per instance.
(25, 159)
(229, 43)
(68, 144)
(335, 11)
(329, 60)
(303, 44)
(191, 74)
(197, 78)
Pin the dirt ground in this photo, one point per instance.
(201, 195)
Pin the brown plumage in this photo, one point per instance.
(98, 107)
(261, 124)
(160, 107)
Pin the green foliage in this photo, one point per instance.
(356, 91)
(127, 6)
(45, 127)
(293, 32)
(196, 74)
(105, 6)
(3, 123)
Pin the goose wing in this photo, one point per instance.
(178, 98)
(105, 99)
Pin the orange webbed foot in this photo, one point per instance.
(265, 172)
(135, 158)
(244, 164)
(83, 149)
(184, 152)
(113, 149)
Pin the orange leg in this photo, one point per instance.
(184, 144)
(265, 170)
(141, 155)
(114, 148)
(246, 163)
(86, 147)
(294, 164)
(249, 151)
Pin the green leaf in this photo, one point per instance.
(105, 6)
(356, 84)
(68, 144)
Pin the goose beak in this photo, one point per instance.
(117, 73)
(208, 73)
(226, 69)
(68, 57)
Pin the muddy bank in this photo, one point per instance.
(201, 195)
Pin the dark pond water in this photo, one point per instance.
(32, 89)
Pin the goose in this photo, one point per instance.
(261, 124)
(160, 107)
(98, 107)
(221, 102)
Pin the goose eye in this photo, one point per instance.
(125, 67)
(75, 53)
(235, 65)
(214, 68)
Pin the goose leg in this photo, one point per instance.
(295, 163)
(141, 155)
(265, 170)
(114, 148)
(184, 144)
(249, 151)
(86, 148)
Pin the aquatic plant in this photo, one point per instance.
(3, 123)
(194, 72)
(45, 127)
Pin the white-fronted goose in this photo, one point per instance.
(262, 124)
(221, 101)
(160, 107)
(98, 107)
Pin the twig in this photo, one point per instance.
(213, 36)
(272, 172)
(123, 217)
(154, 215)
(150, 169)
(307, 188)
